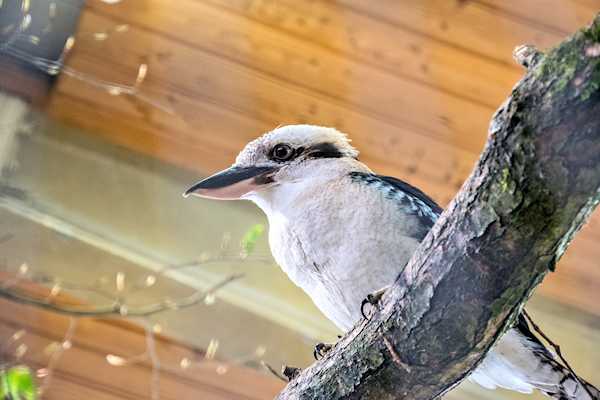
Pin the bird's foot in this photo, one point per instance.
(373, 301)
(290, 372)
(321, 349)
(287, 373)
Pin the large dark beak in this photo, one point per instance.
(232, 183)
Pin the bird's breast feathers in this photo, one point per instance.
(345, 239)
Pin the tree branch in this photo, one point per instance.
(534, 186)
(116, 309)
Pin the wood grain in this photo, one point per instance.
(83, 368)
(467, 25)
(296, 62)
(560, 16)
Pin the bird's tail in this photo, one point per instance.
(521, 362)
(563, 384)
(567, 385)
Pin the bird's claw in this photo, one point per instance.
(321, 349)
(287, 374)
(362, 307)
(373, 300)
(290, 372)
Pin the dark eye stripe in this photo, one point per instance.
(320, 150)
(324, 150)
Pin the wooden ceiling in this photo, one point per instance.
(413, 82)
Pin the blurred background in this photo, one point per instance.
(112, 286)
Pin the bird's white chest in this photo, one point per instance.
(339, 244)
(313, 269)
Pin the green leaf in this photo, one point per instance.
(251, 237)
(17, 383)
(4, 390)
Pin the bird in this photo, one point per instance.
(341, 233)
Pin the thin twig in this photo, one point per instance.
(218, 259)
(290, 372)
(117, 309)
(527, 55)
(55, 357)
(395, 355)
(47, 280)
(272, 370)
(195, 263)
(557, 350)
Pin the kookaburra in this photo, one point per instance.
(341, 232)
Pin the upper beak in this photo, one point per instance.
(232, 183)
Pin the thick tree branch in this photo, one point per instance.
(536, 183)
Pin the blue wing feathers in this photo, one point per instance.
(408, 197)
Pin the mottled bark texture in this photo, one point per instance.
(537, 181)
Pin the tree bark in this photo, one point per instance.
(535, 184)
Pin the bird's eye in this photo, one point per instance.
(282, 152)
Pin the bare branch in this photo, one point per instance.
(535, 185)
(117, 308)
(527, 55)
(63, 346)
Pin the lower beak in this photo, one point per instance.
(232, 183)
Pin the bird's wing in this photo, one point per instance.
(409, 199)
(519, 361)
(412, 191)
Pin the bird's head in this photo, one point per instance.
(288, 154)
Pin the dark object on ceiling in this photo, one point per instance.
(33, 35)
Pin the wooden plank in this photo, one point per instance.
(94, 335)
(426, 163)
(91, 369)
(467, 25)
(97, 335)
(577, 275)
(561, 16)
(169, 144)
(399, 51)
(242, 93)
(65, 388)
(581, 294)
(275, 118)
(307, 67)
(200, 124)
(130, 337)
(86, 362)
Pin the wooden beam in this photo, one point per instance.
(560, 16)
(466, 25)
(32, 41)
(404, 53)
(272, 55)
